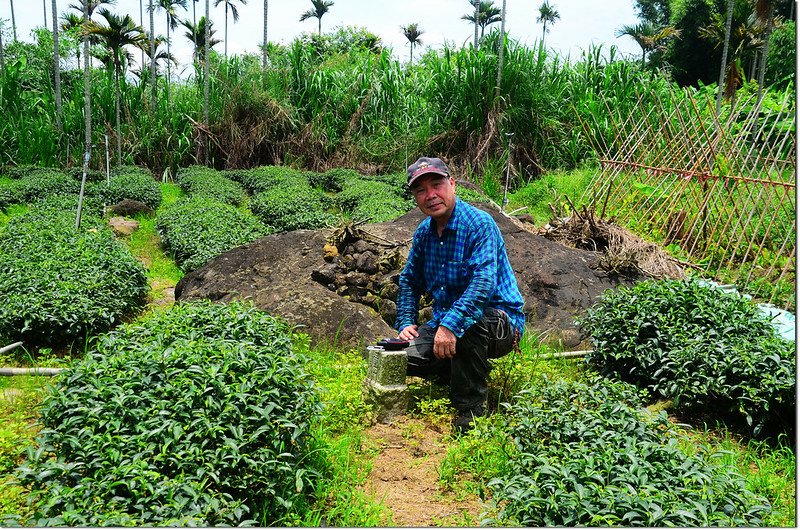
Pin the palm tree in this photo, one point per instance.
(197, 36)
(648, 36)
(266, 41)
(477, 5)
(13, 21)
(500, 52)
(92, 5)
(72, 23)
(234, 12)
(161, 55)
(488, 14)
(56, 66)
(320, 7)
(2, 59)
(547, 15)
(152, 63)
(724, 55)
(169, 7)
(206, 55)
(413, 34)
(764, 10)
(119, 32)
(44, 12)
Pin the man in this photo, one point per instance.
(459, 257)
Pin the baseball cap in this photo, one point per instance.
(425, 165)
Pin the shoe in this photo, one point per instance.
(465, 419)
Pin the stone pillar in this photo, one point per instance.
(385, 386)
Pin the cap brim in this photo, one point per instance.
(428, 171)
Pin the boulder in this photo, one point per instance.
(287, 275)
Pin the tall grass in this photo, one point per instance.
(321, 107)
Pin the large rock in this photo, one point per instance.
(276, 271)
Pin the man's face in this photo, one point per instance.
(435, 196)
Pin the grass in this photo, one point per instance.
(19, 398)
(145, 243)
(769, 468)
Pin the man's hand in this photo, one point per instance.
(409, 332)
(444, 343)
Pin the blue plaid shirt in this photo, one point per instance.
(466, 271)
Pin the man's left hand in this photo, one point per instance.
(444, 343)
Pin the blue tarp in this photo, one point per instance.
(782, 320)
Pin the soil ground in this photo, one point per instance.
(405, 476)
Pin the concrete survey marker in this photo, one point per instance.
(385, 386)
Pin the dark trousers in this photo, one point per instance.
(491, 337)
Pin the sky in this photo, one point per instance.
(581, 24)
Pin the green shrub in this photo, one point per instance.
(293, 207)
(372, 201)
(333, 180)
(42, 183)
(199, 416)
(198, 181)
(92, 175)
(264, 178)
(58, 283)
(196, 230)
(9, 193)
(130, 182)
(587, 454)
(699, 346)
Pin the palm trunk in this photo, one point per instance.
(169, 101)
(152, 59)
(266, 41)
(13, 21)
(723, 66)
(319, 26)
(194, 14)
(57, 67)
(765, 53)
(477, 14)
(226, 30)
(141, 23)
(544, 30)
(117, 68)
(205, 77)
(411, 55)
(44, 13)
(500, 54)
(87, 85)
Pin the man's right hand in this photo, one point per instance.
(409, 332)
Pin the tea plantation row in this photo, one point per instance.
(203, 415)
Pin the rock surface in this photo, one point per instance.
(288, 275)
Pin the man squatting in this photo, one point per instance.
(458, 256)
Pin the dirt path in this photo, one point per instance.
(405, 477)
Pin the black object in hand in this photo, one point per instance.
(393, 344)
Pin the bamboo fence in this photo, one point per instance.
(720, 187)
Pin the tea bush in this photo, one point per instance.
(196, 230)
(293, 207)
(333, 180)
(264, 178)
(199, 181)
(43, 183)
(199, 416)
(93, 175)
(9, 193)
(699, 346)
(58, 283)
(130, 182)
(587, 454)
(372, 201)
